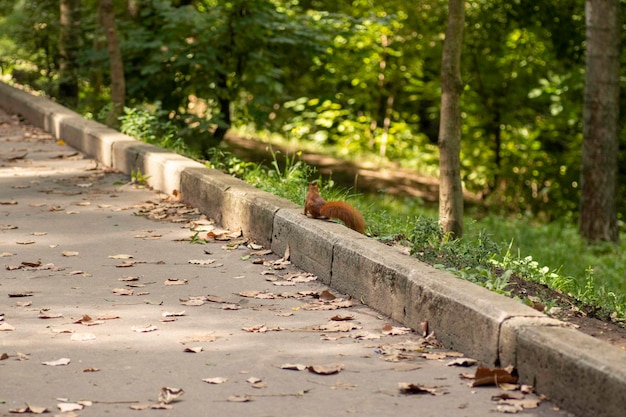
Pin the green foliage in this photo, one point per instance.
(359, 79)
(152, 127)
(479, 259)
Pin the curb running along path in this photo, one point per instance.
(582, 374)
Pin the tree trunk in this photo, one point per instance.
(450, 187)
(598, 204)
(116, 64)
(69, 24)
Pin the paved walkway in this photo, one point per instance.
(109, 293)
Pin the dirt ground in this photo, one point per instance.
(405, 182)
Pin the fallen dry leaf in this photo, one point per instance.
(139, 407)
(88, 321)
(46, 315)
(173, 314)
(175, 281)
(239, 398)
(29, 409)
(259, 328)
(122, 291)
(68, 407)
(258, 294)
(169, 394)
(121, 256)
(201, 261)
(257, 383)
(69, 253)
(192, 302)
(327, 296)
(329, 369)
(337, 326)
(328, 305)
(462, 362)
(391, 330)
(107, 317)
(293, 366)
(408, 388)
(195, 349)
(215, 380)
(128, 279)
(6, 327)
(58, 362)
(146, 329)
(525, 403)
(161, 406)
(495, 376)
(342, 318)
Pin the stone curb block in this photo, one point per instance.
(233, 203)
(576, 371)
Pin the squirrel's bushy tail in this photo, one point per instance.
(346, 213)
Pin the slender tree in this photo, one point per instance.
(598, 204)
(69, 25)
(116, 64)
(450, 187)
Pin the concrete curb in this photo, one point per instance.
(578, 372)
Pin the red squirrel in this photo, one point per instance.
(316, 206)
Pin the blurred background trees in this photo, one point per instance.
(362, 78)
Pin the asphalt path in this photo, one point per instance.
(117, 300)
